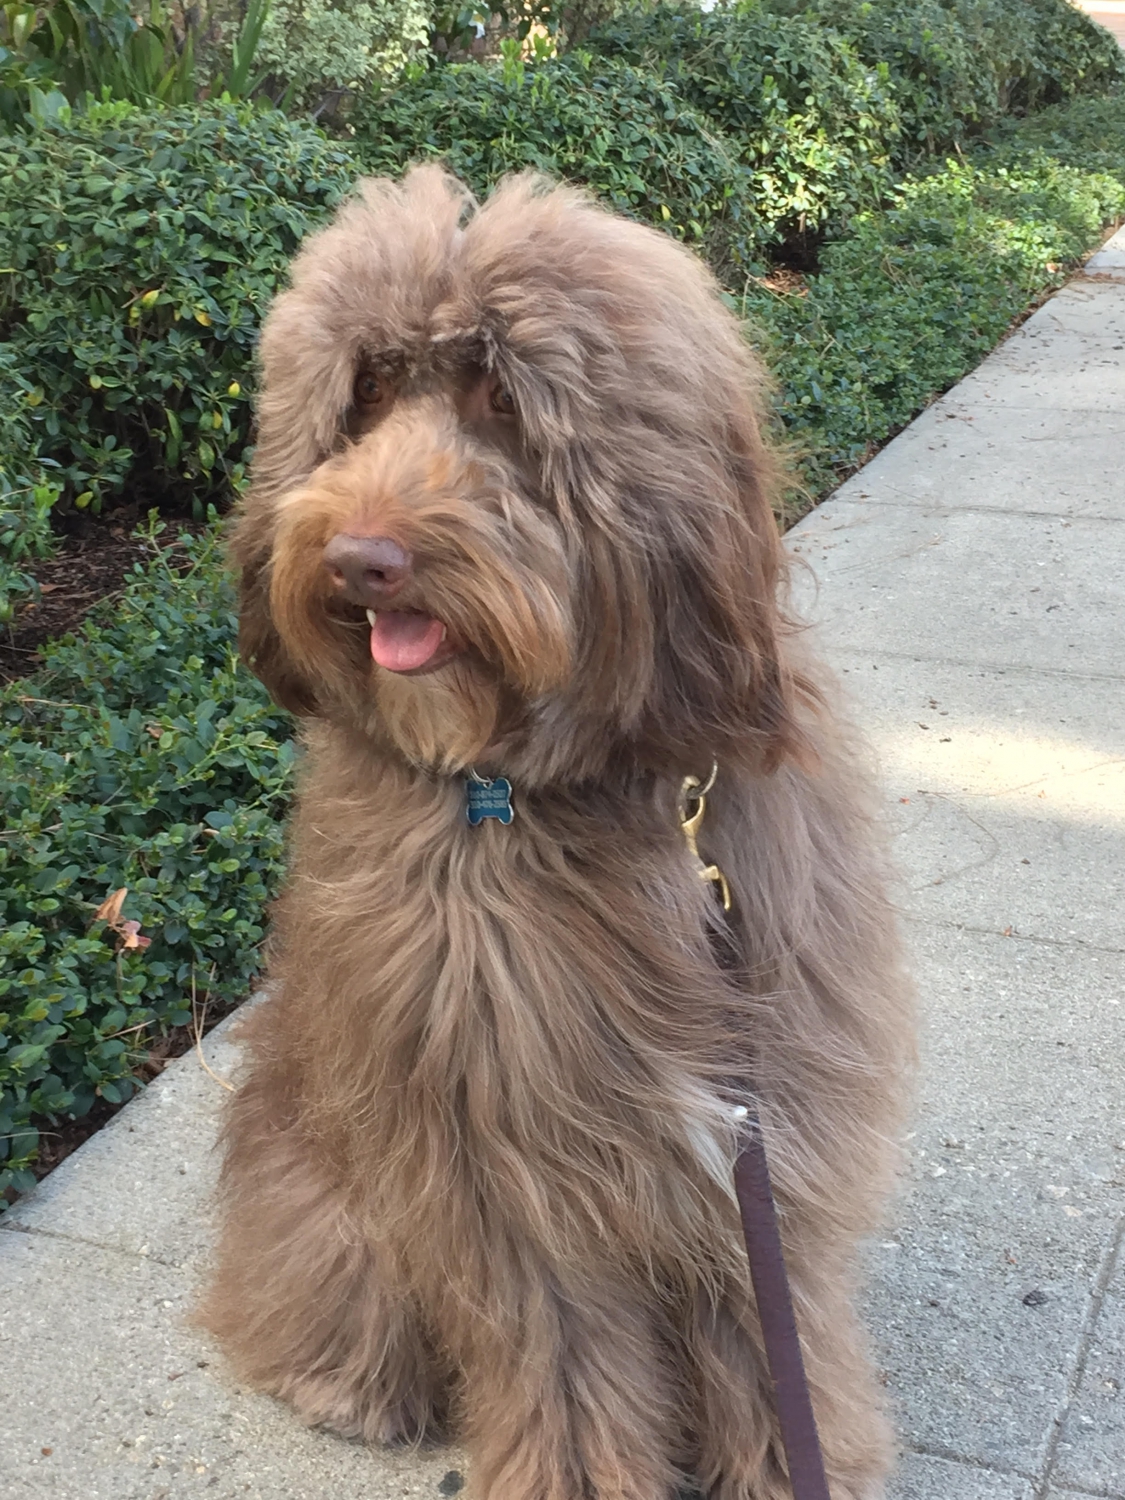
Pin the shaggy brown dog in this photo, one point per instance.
(478, 1174)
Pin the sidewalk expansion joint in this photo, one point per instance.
(1081, 1358)
(74, 1239)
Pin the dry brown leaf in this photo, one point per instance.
(110, 909)
(130, 934)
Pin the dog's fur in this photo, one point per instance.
(478, 1174)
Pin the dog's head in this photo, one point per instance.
(510, 504)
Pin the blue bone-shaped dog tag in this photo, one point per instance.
(488, 799)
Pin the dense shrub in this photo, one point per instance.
(931, 50)
(313, 48)
(1046, 51)
(139, 251)
(29, 490)
(813, 125)
(1085, 133)
(917, 294)
(957, 66)
(623, 132)
(141, 756)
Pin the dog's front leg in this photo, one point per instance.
(301, 1300)
(574, 1401)
(740, 1452)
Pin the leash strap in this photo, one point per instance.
(795, 1417)
(758, 1211)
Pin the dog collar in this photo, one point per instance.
(491, 797)
(487, 798)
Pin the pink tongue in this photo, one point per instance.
(401, 642)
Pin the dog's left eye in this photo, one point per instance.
(369, 389)
(503, 401)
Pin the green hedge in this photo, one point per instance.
(744, 128)
(614, 128)
(919, 292)
(1043, 52)
(29, 489)
(813, 125)
(915, 76)
(140, 756)
(958, 66)
(933, 51)
(1085, 133)
(139, 251)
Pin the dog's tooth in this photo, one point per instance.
(443, 633)
(371, 617)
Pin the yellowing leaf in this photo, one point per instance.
(203, 317)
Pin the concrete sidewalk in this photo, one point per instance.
(972, 591)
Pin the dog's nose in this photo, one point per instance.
(367, 570)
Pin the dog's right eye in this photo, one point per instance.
(501, 400)
(370, 390)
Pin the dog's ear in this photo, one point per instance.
(259, 643)
(725, 681)
(771, 694)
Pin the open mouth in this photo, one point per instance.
(403, 641)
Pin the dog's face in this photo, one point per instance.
(510, 506)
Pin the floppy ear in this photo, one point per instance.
(725, 683)
(259, 644)
(776, 696)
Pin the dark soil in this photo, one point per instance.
(785, 281)
(93, 559)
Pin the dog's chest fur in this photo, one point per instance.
(534, 1009)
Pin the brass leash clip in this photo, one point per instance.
(693, 792)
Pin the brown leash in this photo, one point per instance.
(764, 1250)
(791, 1399)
